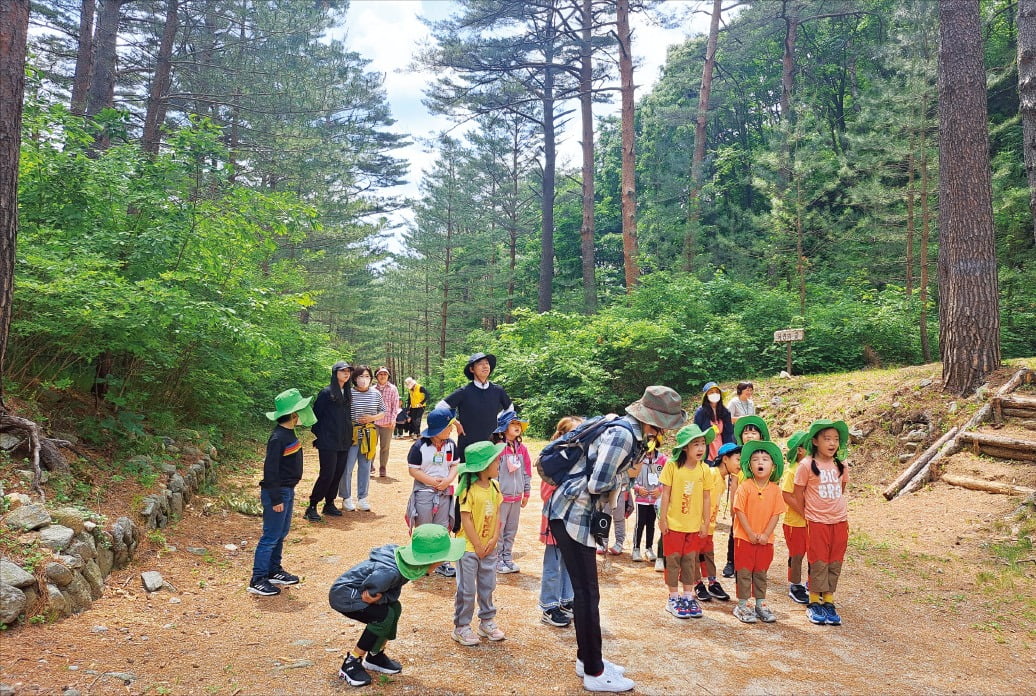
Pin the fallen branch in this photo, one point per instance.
(7, 421)
(987, 486)
(904, 478)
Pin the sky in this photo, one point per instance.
(389, 33)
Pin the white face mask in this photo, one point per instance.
(714, 398)
(363, 382)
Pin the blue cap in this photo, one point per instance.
(708, 386)
(504, 420)
(438, 420)
(727, 448)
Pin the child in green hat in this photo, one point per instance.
(369, 593)
(750, 428)
(282, 470)
(795, 535)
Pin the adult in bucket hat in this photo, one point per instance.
(282, 470)
(369, 593)
(713, 413)
(478, 403)
(387, 423)
(617, 447)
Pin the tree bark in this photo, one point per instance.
(102, 80)
(158, 96)
(969, 307)
(690, 240)
(911, 163)
(84, 57)
(14, 28)
(546, 284)
(586, 232)
(1027, 94)
(629, 162)
(926, 223)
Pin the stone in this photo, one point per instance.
(10, 441)
(14, 575)
(176, 483)
(28, 517)
(70, 517)
(16, 500)
(70, 691)
(94, 578)
(197, 550)
(856, 436)
(953, 407)
(6, 690)
(78, 593)
(172, 449)
(166, 440)
(152, 580)
(904, 458)
(56, 536)
(926, 382)
(192, 451)
(139, 461)
(776, 401)
(230, 547)
(784, 374)
(83, 545)
(89, 526)
(911, 447)
(213, 454)
(896, 404)
(59, 574)
(57, 602)
(12, 603)
(918, 435)
(176, 504)
(72, 562)
(31, 595)
(99, 629)
(168, 469)
(104, 559)
(175, 600)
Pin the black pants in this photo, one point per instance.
(332, 465)
(581, 562)
(381, 620)
(645, 521)
(415, 420)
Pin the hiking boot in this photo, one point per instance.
(263, 587)
(635, 556)
(649, 555)
(283, 577)
(716, 590)
(798, 593)
(659, 565)
(608, 681)
(744, 613)
(556, 617)
(363, 504)
(693, 608)
(833, 619)
(349, 505)
(312, 515)
(608, 667)
(353, 672)
(816, 613)
(446, 570)
(380, 662)
(465, 636)
(764, 613)
(331, 510)
(490, 630)
(728, 570)
(702, 592)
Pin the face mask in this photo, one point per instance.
(363, 381)
(714, 398)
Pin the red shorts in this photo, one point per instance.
(707, 545)
(682, 543)
(796, 538)
(827, 542)
(752, 557)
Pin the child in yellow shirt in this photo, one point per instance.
(795, 534)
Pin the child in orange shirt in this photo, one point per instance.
(758, 505)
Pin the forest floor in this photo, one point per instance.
(929, 604)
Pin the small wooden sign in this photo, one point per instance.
(788, 335)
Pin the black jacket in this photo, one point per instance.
(333, 429)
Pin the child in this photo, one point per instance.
(282, 470)
(432, 464)
(515, 483)
(820, 484)
(757, 508)
(749, 428)
(556, 593)
(480, 499)
(684, 517)
(707, 557)
(794, 523)
(369, 593)
(647, 489)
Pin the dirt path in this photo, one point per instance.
(923, 613)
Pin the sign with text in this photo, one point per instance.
(788, 335)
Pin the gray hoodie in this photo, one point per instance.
(377, 575)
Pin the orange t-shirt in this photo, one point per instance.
(758, 505)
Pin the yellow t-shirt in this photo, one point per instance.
(791, 518)
(716, 494)
(483, 502)
(687, 486)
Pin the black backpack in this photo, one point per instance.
(558, 458)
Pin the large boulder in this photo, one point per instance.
(14, 575)
(83, 545)
(12, 603)
(94, 579)
(28, 517)
(78, 593)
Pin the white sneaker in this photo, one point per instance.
(659, 565)
(649, 555)
(636, 554)
(349, 504)
(608, 667)
(363, 504)
(608, 681)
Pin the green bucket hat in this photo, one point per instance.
(794, 442)
(691, 432)
(430, 543)
(745, 421)
(771, 448)
(291, 401)
(479, 455)
(823, 424)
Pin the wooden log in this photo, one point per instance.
(1007, 447)
(1019, 413)
(1017, 379)
(911, 471)
(987, 486)
(924, 475)
(1018, 401)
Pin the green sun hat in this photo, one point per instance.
(430, 544)
(823, 424)
(691, 432)
(745, 421)
(291, 401)
(794, 442)
(770, 448)
(479, 455)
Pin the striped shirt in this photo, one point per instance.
(368, 403)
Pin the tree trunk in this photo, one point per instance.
(102, 80)
(911, 162)
(1027, 94)
(969, 308)
(546, 285)
(629, 162)
(157, 100)
(690, 240)
(586, 232)
(84, 57)
(926, 221)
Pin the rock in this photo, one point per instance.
(28, 517)
(784, 374)
(16, 500)
(297, 664)
(127, 678)
(904, 458)
(926, 382)
(776, 401)
(175, 600)
(99, 629)
(139, 461)
(94, 578)
(230, 547)
(896, 404)
(70, 691)
(31, 595)
(78, 593)
(919, 435)
(197, 550)
(104, 559)
(56, 536)
(856, 436)
(176, 483)
(166, 440)
(10, 441)
(59, 574)
(169, 469)
(14, 575)
(172, 449)
(12, 603)
(70, 517)
(176, 504)
(911, 447)
(89, 526)
(213, 454)
(953, 407)
(192, 451)
(6, 690)
(152, 580)
(83, 545)
(57, 602)
(71, 562)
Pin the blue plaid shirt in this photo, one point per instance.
(571, 502)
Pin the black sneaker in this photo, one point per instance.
(556, 617)
(283, 577)
(702, 593)
(799, 593)
(568, 609)
(312, 515)
(331, 510)
(353, 672)
(717, 591)
(262, 587)
(728, 570)
(380, 662)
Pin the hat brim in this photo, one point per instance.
(453, 553)
(302, 407)
(427, 432)
(745, 421)
(469, 466)
(770, 448)
(709, 434)
(820, 425)
(492, 365)
(663, 421)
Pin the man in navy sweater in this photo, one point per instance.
(479, 403)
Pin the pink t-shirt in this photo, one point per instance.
(824, 501)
